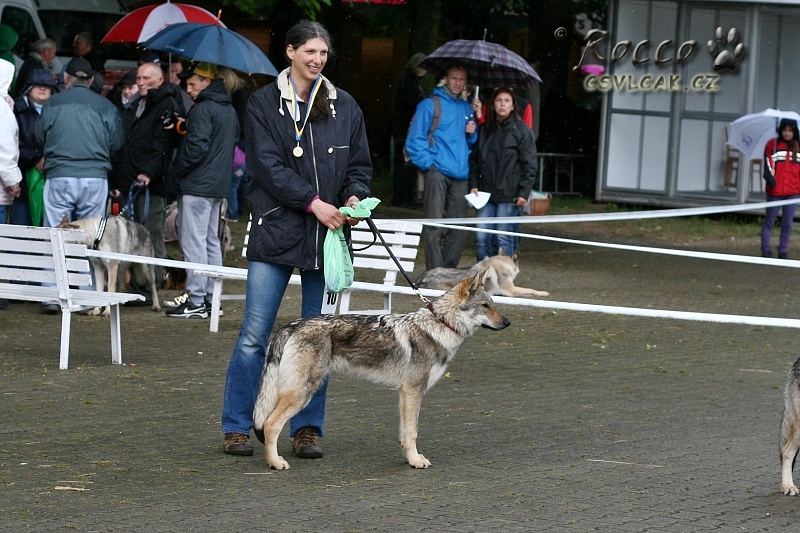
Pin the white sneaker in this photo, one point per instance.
(177, 301)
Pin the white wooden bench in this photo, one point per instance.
(57, 259)
(403, 238)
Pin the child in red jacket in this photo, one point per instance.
(782, 174)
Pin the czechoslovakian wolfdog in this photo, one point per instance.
(407, 351)
(790, 430)
(501, 270)
(121, 236)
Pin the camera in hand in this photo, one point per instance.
(169, 120)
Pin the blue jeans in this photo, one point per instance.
(488, 244)
(74, 198)
(20, 213)
(787, 217)
(238, 178)
(266, 284)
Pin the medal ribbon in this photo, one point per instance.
(298, 133)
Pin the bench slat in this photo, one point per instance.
(35, 232)
(26, 246)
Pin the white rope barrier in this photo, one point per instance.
(570, 306)
(464, 224)
(789, 263)
(608, 217)
(525, 302)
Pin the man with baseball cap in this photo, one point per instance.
(202, 171)
(78, 130)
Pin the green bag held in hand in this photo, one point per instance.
(338, 263)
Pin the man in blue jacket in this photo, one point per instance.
(445, 162)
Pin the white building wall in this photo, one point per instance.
(669, 147)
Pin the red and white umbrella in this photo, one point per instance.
(141, 24)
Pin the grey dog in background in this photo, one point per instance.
(409, 352)
(121, 236)
(790, 430)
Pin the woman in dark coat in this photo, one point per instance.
(307, 155)
(27, 107)
(504, 164)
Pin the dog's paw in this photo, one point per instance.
(279, 463)
(156, 306)
(95, 312)
(790, 490)
(419, 461)
(106, 312)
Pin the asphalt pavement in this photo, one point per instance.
(565, 421)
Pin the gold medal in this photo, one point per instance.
(297, 151)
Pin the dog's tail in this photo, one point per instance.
(268, 393)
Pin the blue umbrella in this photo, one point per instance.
(214, 44)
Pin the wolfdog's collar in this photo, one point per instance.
(440, 318)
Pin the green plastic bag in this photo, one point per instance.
(35, 180)
(338, 263)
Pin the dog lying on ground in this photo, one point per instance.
(124, 237)
(790, 430)
(407, 351)
(501, 270)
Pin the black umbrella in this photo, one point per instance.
(487, 64)
(212, 43)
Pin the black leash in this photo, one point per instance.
(413, 285)
(136, 189)
(126, 211)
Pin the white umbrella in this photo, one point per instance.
(749, 134)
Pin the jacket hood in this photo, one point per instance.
(165, 91)
(6, 75)
(8, 37)
(787, 122)
(215, 91)
(442, 92)
(285, 88)
(39, 76)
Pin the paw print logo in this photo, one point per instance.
(725, 60)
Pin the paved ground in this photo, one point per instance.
(563, 422)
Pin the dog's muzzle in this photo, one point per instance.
(506, 322)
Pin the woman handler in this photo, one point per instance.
(307, 154)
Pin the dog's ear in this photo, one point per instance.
(500, 251)
(64, 222)
(477, 280)
(515, 257)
